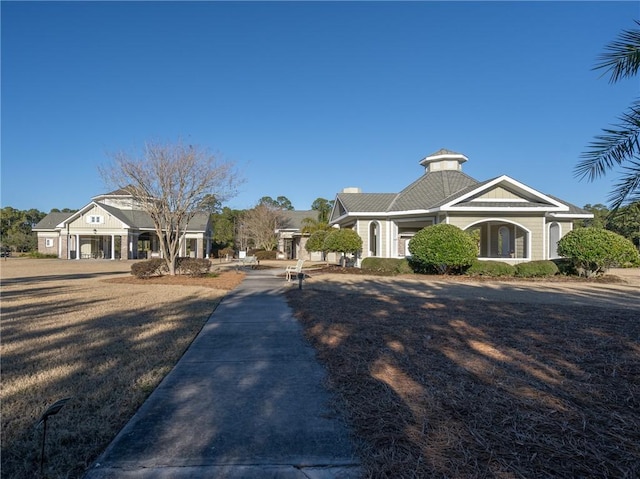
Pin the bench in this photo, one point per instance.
(292, 271)
(249, 261)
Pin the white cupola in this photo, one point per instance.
(443, 160)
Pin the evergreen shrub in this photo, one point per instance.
(536, 269)
(263, 254)
(594, 250)
(38, 255)
(444, 248)
(490, 268)
(388, 266)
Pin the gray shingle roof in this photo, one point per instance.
(126, 191)
(141, 219)
(133, 218)
(435, 189)
(366, 202)
(293, 218)
(50, 221)
(431, 189)
(444, 151)
(573, 209)
(118, 213)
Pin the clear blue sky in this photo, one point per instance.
(307, 97)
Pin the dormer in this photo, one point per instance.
(443, 160)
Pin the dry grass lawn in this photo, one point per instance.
(90, 331)
(439, 378)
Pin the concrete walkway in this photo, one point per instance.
(245, 401)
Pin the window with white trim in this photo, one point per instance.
(48, 242)
(95, 219)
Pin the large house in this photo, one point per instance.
(515, 222)
(113, 226)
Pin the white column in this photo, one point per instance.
(78, 247)
(113, 246)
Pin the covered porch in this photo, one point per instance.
(134, 245)
(501, 240)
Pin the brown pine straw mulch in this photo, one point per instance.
(224, 280)
(467, 389)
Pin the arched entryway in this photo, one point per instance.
(498, 238)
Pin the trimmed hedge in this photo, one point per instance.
(38, 255)
(193, 266)
(490, 268)
(148, 268)
(386, 265)
(537, 269)
(443, 247)
(262, 254)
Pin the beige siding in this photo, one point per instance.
(362, 228)
(109, 222)
(383, 233)
(565, 226)
(499, 193)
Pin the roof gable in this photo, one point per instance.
(118, 214)
(500, 193)
(361, 203)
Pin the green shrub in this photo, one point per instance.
(262, 254)
(565, 266)
(316, 241)
(537, 269)
(193, 266)
(386, 265)
(490, 268)
(38, 255)
(343, 241)
(444, 248)
(594, 250)
(148, 268)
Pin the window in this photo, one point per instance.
(95, 219)
(504, 242)
(373, 239)
(48, 242)
(554, 237)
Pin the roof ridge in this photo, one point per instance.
(446, 189)
(406, 189)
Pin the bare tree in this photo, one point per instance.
(261, 223)
(172, 182)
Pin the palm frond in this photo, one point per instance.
(627, 190)
(622, 56)
(613, 147)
